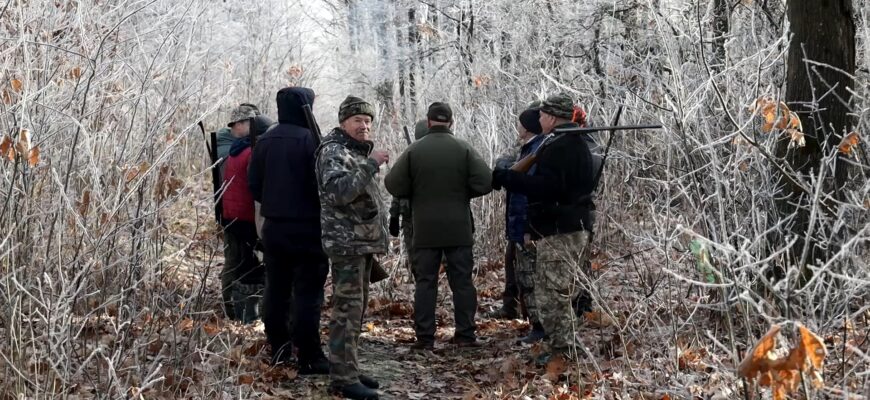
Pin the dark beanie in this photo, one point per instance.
(440, 112)
(421, 128)
(530, 119)
(353, 106)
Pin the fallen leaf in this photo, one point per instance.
(555, 367)
(246, 379)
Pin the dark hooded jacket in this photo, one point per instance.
(281, 176)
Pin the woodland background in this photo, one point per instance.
(709, 231)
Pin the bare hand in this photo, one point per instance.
(381, 157)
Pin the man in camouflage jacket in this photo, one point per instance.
(353, 223)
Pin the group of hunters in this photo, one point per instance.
(315, 205)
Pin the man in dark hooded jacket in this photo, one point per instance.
(282, 179)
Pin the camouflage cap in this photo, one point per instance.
(354, 106)
(242, 112)
(560, 106)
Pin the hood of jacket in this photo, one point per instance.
(290, 101)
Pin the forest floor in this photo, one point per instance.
(650, 336)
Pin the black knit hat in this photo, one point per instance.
(353, 106)
(440, 112)
(530, 119)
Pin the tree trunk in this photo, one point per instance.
(823, 32)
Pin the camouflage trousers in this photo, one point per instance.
(525, 270)
(560, 259)
(350, 287)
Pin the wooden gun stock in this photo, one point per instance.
(525, 164)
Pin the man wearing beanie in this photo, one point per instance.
(440, 174)
(559, 222)
(354, 229)
(400, 209)
(519, 257)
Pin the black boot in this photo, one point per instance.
(358, 391)
(319, 366)
(369, 381)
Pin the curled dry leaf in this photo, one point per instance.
(246, 379)
(782, 374)
(33, 156)
(6, 148)
(85, 203)
(796, 138)
(17, 85)
(22, 146)
(848, 143)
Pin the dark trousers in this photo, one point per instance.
(511, 292)
(294, 296)
(427, 262)
(242, 273)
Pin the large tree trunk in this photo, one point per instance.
(823, 31)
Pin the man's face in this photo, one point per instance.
(241, 129)
(358, 126)
(524, 133)
(548, 122)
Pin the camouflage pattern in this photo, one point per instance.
(525, 270)
(350, 280)
(350, 200)
(401, 208)
(241, 113)
(560, 105)
(354, 106)
(560, 258)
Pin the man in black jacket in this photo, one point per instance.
(559, 218)
(282, 179)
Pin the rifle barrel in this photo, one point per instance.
(607, 128)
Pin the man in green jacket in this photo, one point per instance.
(440, 174)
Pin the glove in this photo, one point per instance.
(499, 177)
(394, 226)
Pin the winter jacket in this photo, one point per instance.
(353, 216)
(517, 203)
(559, 190)
(440, 174)
(238, 203)
(281, 176)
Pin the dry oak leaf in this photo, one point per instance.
(6, 148)
(33, 156)
(848, 143)
(16, 85)
(796, 138)
(782, 374)
(555, 367)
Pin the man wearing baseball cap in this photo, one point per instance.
(440, 174)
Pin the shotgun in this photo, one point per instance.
(312, 124)
(528, 161)
(407, 135)
(215, 172)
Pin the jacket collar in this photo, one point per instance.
(567, 125)
(440, 129)
(533, 141)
